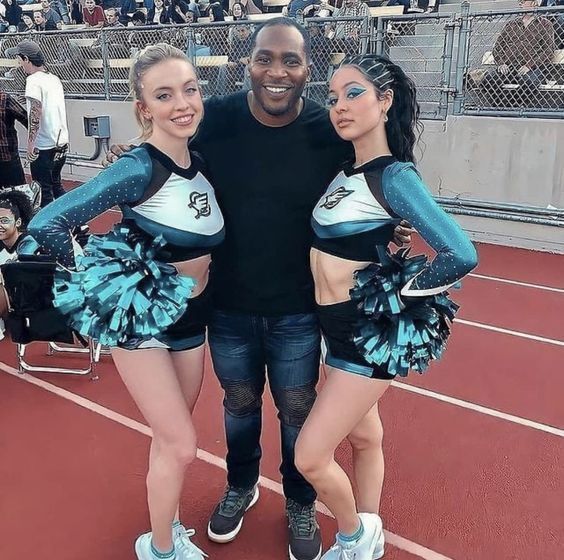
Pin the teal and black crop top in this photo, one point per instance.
(160, 197)
(361, 208)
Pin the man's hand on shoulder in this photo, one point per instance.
(403, 233)
(115, 152)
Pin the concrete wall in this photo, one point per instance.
(494, 159)
(518, 161)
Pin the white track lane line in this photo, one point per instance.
(510, 332)
(391, 538)
(481, 409)
(517, 283)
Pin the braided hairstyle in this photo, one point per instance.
(403, 126)
(19, 204)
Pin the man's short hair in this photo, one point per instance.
(139, 16)
(29, 50)
(284, 22)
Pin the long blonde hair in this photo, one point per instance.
(144, 60)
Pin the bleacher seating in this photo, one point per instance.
(554, 80)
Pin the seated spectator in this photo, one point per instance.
(76, 13)
(405, 3)
(322, 10)
(112, 17)
(177, 11)
(138, 18)
(61, 8)
(40, 24)
(26, 24)
(127, 7)
(194, 7)
(239, 54)
(296, 8)
(107, 4)
(428, 6)
(51, 16)
(238, 11)
(522, 51)
(347, 33)
(249, 5)
(158, 14)
(215, 12)
(93, 15)
(13, 14)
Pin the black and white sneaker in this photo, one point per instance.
(303, 532)
(227, 519)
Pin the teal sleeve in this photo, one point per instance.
(121, 183)
(456, 256)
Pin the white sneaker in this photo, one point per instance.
(369, 547)
(184, 547)
(380, 542)
(143, 548)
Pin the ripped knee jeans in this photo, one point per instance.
(245, 350)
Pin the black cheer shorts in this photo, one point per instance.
(337, 326)
(187, 333)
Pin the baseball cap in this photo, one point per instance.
(29, 49)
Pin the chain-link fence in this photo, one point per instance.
(496, 63)
(514, 63)
(332, 39)
(423, 46)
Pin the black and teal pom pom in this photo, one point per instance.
(399, 334)
(120, 290)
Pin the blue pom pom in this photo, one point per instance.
(120, 291)
(399, 335)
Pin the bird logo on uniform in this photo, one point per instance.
(332, 199)
(200, 203)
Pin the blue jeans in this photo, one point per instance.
(243, 349)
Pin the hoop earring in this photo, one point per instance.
(385, 117)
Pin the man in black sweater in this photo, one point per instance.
(264, 318)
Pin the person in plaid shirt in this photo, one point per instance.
(11, 171)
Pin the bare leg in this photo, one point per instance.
(368, 461)
(153, 382)
(342, 403)
(190, 369)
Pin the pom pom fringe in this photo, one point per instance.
(399, 334)
(120, 291)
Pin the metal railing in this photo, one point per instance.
(466, 63)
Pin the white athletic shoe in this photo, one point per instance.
(369, 547)
(184, 547)
(143, 548)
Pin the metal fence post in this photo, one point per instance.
(463, 40)
(106, 65)
(380, 35)
(446, 88)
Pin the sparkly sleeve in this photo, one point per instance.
(456, 256)
(124, 182)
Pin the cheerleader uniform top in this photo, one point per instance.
(154, 193)
(363, 205)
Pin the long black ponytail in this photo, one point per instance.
(403, 127)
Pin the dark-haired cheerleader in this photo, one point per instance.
(380, 314)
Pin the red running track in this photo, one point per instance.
(461, 481)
